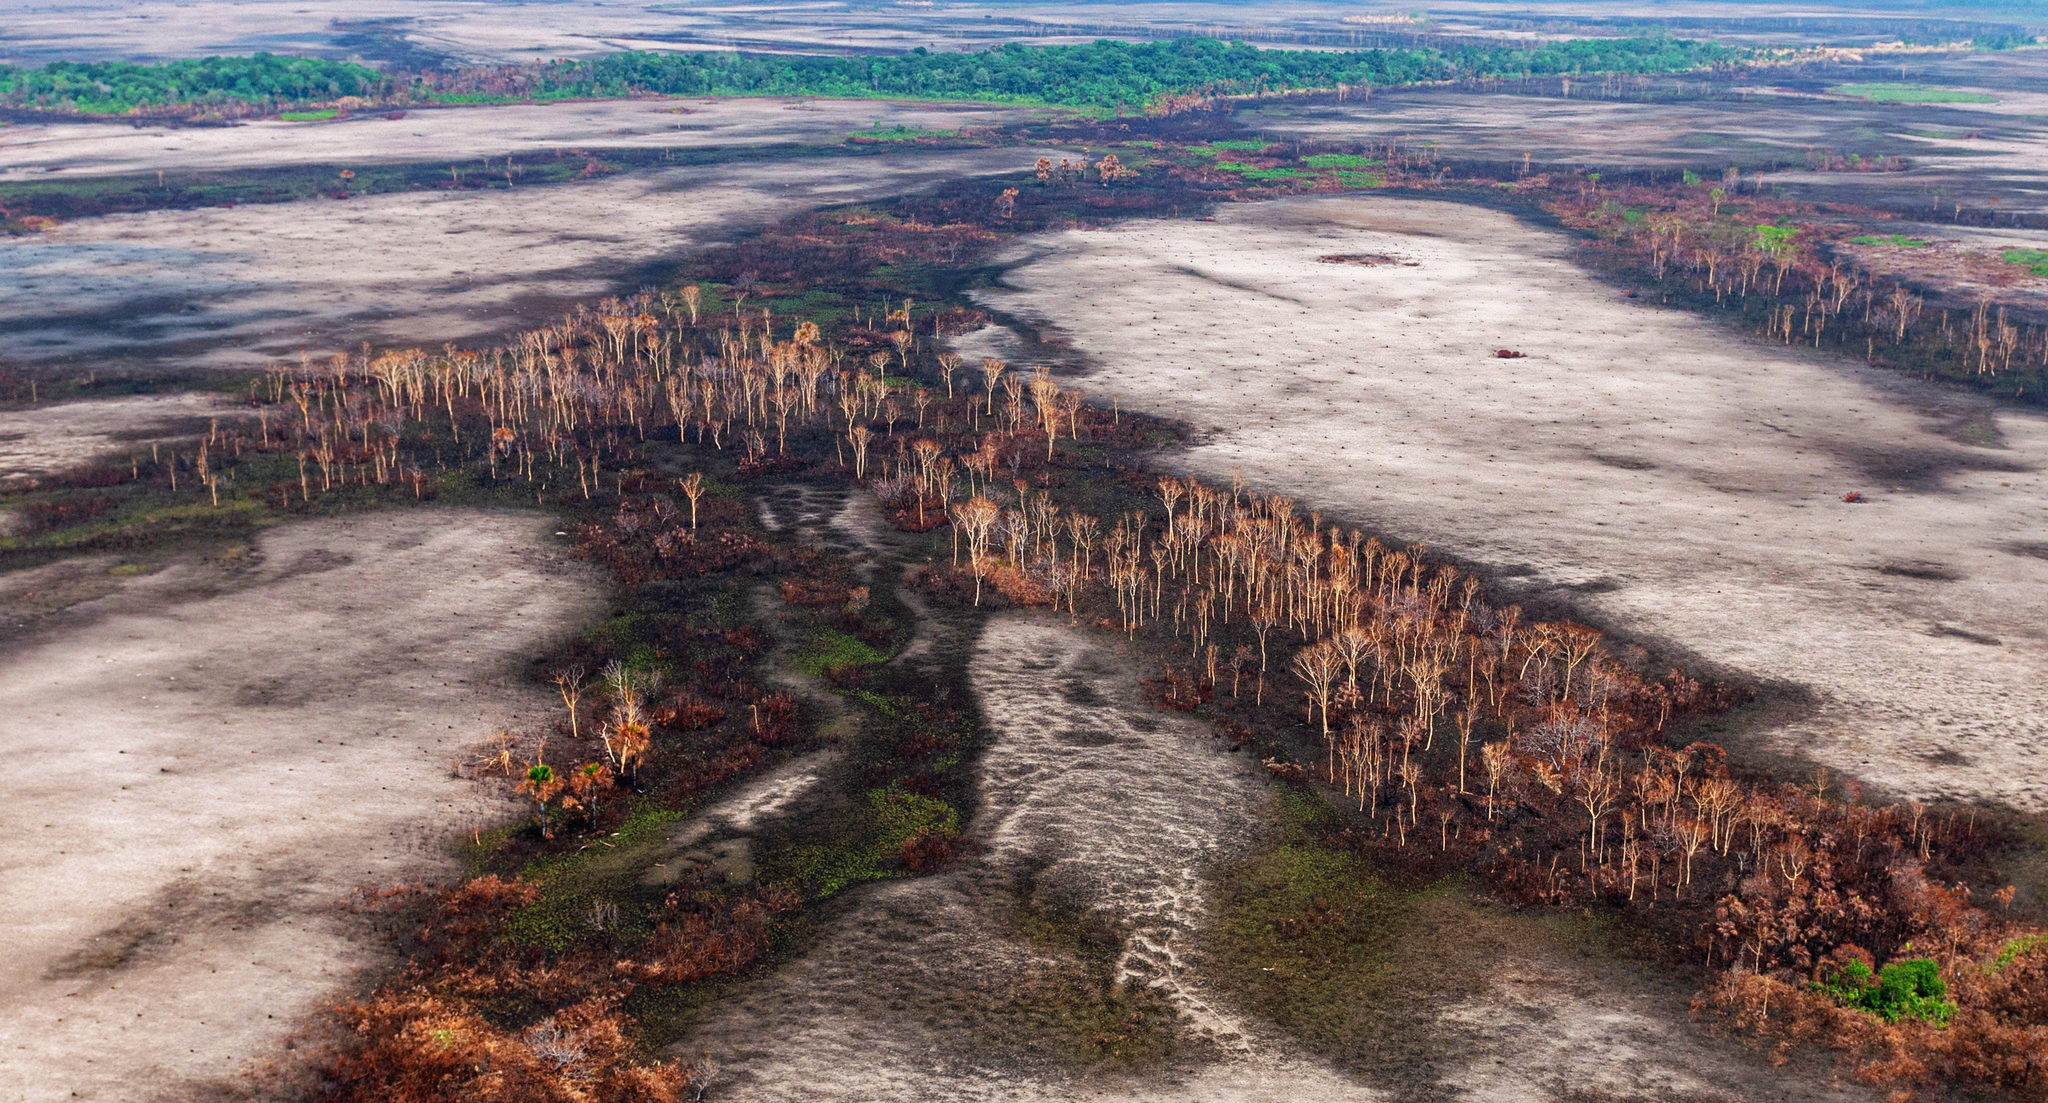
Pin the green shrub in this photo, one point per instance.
(1910, 989)
(2033, 260)
(1774, 239)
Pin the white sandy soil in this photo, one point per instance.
(210, 759)
(37, 440)
(926, 990)
(253, 286)
(35, 151)
(1091, 802)
(1680, 480)
(1967, 152)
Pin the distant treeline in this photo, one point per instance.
(1102, 75)
(119, 87)
(1106, 75)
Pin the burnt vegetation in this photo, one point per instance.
(1455, 732)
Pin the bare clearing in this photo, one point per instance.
(1681, 481)
(252, 286)
(213, 756)
(55, 150)
(37, 440)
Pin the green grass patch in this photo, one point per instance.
(1340, 161)
(2016, 948)
(812, 304)
(610, 869)
(2033, 260)
(829, 648)
(1900, 240)
(901, 134)
(1219, 149)
(1306, 929)
(308, 116)
(1279, 174)
(900, 815)
(1894, 92)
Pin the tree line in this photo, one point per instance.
(1105, 75)
(119, 87)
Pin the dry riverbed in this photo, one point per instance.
(212, 757)
(1676, 480)
(1063, 959)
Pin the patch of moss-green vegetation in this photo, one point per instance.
(864, 846)
(1893, 92)
(812, 304)
(308, 116)
(2016, 948)
(830, 649)
(1279, 174)
(1361, 179)
(1340, 161)
(607, 871)
(901, 816)
(880, 133)
(1910, 989)
(1899, 240)
(1358, 963)
(1306, 928)
(1233, 145)
(2033, 260)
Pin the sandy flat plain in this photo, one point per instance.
(213, 756)
(1968, 152)
(1678, 480)
(250, 286)
(36, 440)
(34, 151)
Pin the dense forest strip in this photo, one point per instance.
(1103, 76)
(120, 87)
